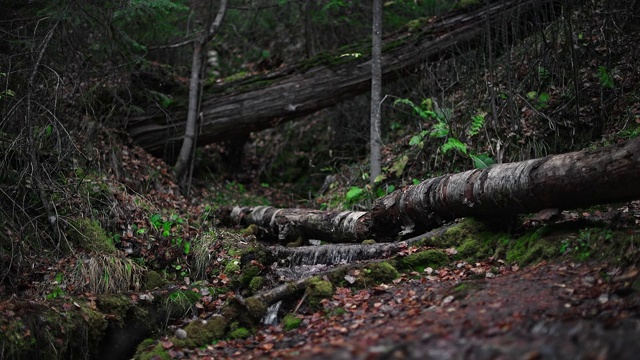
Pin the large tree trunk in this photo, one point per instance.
(263, 101)
(565, 181)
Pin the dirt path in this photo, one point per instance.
(549, 311)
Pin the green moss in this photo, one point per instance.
(96, 325)
(202, 333)
(532, 247)
(248, 273)
(158, 352)
(244, 312)
(145, 345)
(153, 280)
(376, 273)
(476, 248)
(256, 284)
(368, 242)
(240, 333)
(252, 229)
(232, 267)
(51, 332)
(318, 289)
(299, 241)
(472, 240)
(420, 260)
(87, 234)
(257, 308)
(118, 305)
(290, 322)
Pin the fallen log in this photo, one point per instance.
(263, 101)
(566, 181)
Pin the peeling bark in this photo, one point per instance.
(565, 181)
(287, 225)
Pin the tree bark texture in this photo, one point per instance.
(195, 84)
(375, 141)
(263, 101)
(565, 181)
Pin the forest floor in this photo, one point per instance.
(557, 310)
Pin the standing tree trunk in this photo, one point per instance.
(376, 90)
(564, 181)
(185, 158)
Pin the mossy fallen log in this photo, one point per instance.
(263, 101)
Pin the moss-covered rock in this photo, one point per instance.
(257, 308)
(158, 352)
(256, 284)
(532, 247)
(423, 259)
(248, 273)
(290, 322)
(368, 242)
(252, 229)
(240, 333)
(245, 312)
(318, 289)
(232, 267)
(472, 240)
(376, 273)
(202, 332)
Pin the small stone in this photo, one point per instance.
(350, 279)
(181, 334)
(588, 280)
(489, 275)
(603, 298)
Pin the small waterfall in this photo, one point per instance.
(328, 254)
(271, 317)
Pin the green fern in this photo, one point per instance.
(477, 123)
(418, 139)
(440, 129)
(454, 144)
(422, 111)
(354, 194)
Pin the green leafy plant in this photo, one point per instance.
(541, 101)
(440, 128)
(353, 195)
(57, 291)
(606, 80)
